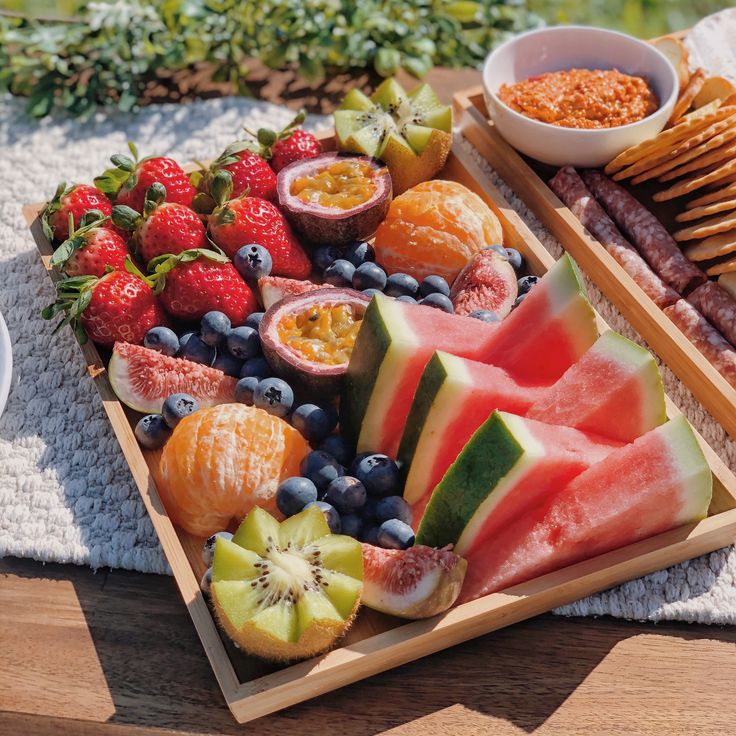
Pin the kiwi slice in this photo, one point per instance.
(287, 590)
(410, 131)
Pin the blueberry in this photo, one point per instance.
(368, 512)
(208, 550)
(526, 283)
(393, 507)
(407, 299)
(346, 494)
(379, 474)
(245, 390)
(330, 512)
(162, 340)
(498, 249)
(254, 320)
(213, 328)
(438, 301)
(293, 494)
(205, 584)
(359, 253)
(356, 461)
(370, 293)
(339, 273)
(152, 431)
(515, 259)
(243, 342)
(314, 422)
(434, 285)
(352, 525)
(253, 262)
(178, 406)
(401, 284)
(257, 367)
(485, 315)
(197, 351)
(184, 339)
(370, 535)
(274, 396)
(338, 447)
(395, 534)
(519, 300)
(228, 364)
(320, 468)
(325, 256)
(369, 276)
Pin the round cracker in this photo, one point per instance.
(712, 226)
(713, 247)
(697, 213)
(719, 155)
(714, 88)
(691, 123)
(696, 182)
(728, 266)
(720, 194)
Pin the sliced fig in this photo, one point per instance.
(308, 338)
(335, 198)
(418, 582)
(488, 282)
(275, 288)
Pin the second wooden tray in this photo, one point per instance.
(528, 179)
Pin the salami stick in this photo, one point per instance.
(705, 337)
(646, 233)
(571, 189)
(717, 306)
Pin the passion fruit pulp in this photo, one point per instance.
(308, 338)
(335, 198)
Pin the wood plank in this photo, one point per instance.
(548, 675)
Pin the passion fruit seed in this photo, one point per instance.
(343, 184)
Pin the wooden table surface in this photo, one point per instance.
(115, 654)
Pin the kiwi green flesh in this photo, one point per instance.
(233, 562)
(393, 113)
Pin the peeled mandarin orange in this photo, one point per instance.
(435, 228)
(221, 462)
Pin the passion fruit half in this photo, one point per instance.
(308, 338)
(335, 198)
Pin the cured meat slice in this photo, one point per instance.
(646, 233)
(705, 337)
(571, 189)
(718, 307)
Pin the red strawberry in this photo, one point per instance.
(288, 145)
(119, 306)
(251, 220)
(165, 227)
(195, 282)
(250, 173)
(128, 181)
(75, 200)
(91, 250)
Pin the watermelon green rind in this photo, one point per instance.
(465, 486)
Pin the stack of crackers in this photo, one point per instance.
(694, 155)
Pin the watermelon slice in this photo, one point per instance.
(507, 468)
(658, 482)
(142, 379)
(274, 288)
(615, 390)
(536, 344)
(454, 397)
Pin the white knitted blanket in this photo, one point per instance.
(66, 494)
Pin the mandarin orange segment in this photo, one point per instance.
(435, 228)
(220, 462)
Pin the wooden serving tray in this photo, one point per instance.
(378, 642)
(528, 178)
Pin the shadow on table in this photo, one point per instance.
(158, 676)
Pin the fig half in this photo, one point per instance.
(335, 198)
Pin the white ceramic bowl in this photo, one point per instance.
(6, 363)
(568, 47)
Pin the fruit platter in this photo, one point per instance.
(652, 223)
(368, 413)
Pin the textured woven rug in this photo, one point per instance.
(65, 491)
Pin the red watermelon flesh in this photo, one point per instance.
(508, 467)
(142, 379)
(274, 288)
(658, 482)
(615, 390)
